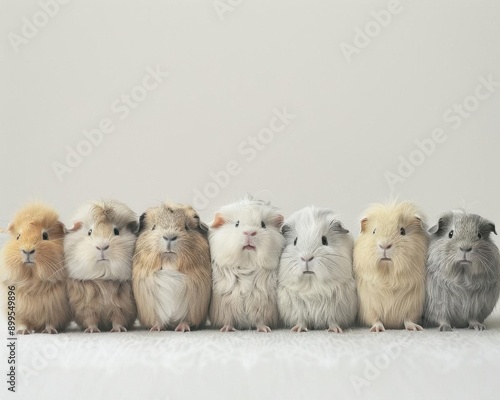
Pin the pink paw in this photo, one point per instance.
(299, 328)
(227, 328)
(263, 328)
(92, 329)
(23, 332)
(377, 327)
(50, 330)
(335, 329)
(118, 328)
(155, 328)
(183, 327)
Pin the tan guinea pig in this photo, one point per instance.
(389, 265)
(172, 272)
(33, 261)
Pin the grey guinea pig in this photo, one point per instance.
(463, 272)
(316, 285)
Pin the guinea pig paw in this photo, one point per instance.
(377, 327)
(118, 328)
(23, 332)
(477, 326)
(412, 326)
(227, 328)
(335, 329)
(299, 328)
(92, 329)
(183, 327)
(155, 328)
(50, 330)
(263, 328)
(445, 328)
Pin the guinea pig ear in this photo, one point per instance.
(218, 221)
(364, 224)
(277, 220)
(142, 222)
(201, 226)
(436, 228)
(489, 227)
(76, 226)
(133, 226)
(337, 227)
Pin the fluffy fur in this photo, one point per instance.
(98, 255)
(32, 261)
(316, 286)
(171, 271)
(463, 272)
(389, 266)
(246, 244)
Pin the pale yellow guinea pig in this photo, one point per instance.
(389, 265)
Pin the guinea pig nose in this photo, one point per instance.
(247, 233)
(385, 247)
(466, 250)
(307, 259)
(29, 252)
(170, 238)
(102, 248)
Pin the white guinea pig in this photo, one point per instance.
(316, 286)
(246, 244)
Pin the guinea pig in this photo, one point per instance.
(246, 244)
(316, 286)
(99, 260)
(33, 261)
(171, 270)
(389, 266)
(463, 272)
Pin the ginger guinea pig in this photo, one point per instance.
(171, 271)
(99, 260)
(246, 245)
(33, 261)
(316, 286)
(389, 266)
(463, 272)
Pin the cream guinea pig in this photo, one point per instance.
(389, 266)
(99, 260)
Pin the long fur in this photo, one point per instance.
(461, 295)
(41, 299)
(100, 290)
(392, 292)
(172, 288)
(325, 298)
(244, 281)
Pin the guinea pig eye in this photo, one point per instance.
(116, 231)
(186, 227)
(374, 231)
(263, 224)
(18, 236)
(450, 235)
(45, 236)
(402, 231)
(237, 224)
(479, 235)
(90, 232)
(324, 241)
(295, 242)
(153, 228)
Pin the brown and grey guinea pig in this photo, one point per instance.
(98, 256)
(389, 266)
(171, 270)
(33, 261)
(316, 286)
(463, 272)
(246, 245)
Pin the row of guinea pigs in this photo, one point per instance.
(250, 269)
